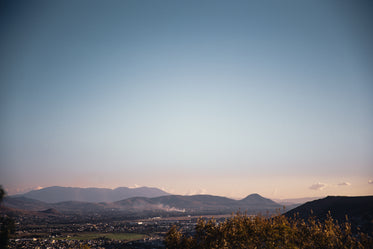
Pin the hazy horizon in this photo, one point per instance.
(192, 97)
(25, 191)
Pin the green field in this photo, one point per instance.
(114, 236)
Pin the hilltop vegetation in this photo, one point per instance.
(242, 231)
(358, 209)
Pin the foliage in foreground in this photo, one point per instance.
(242, 231)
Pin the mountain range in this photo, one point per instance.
(57, 201)
(95, 200)
(61, 194)
(197, 204)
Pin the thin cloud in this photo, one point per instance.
(23, 190)
(344, 184)
(200, 191)
(318, 186)
(370, 181)
(135, 186)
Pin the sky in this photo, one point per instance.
(194, 97)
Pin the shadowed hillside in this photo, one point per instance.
(359, 210)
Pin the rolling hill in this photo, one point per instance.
(23, 203)
(196, 204)
(359, 210)
(203, 204)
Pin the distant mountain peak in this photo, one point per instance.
(258, 200)
(254, 195)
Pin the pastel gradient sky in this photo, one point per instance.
(219, 97)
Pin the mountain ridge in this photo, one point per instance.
(203, 204)
(55, 194)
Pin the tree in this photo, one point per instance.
(7, 225)
(2, 194)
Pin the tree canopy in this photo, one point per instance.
(242, 231)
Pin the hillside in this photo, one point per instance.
(60, 194)
(359, 210)
(203, 204)
(255, 200)
(23, 203)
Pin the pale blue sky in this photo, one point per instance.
(185, 95)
